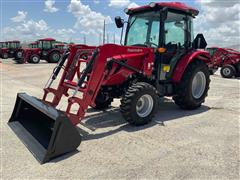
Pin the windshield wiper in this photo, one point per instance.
(133, 22)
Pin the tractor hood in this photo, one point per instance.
(125, 61)
(31, 49)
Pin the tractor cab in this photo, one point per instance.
(13, 45)
(2, 45)
(33, 45)
(46, 43)
(166, 27)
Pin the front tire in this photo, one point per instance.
(228, 71)
(139, 104)
(193, 88)
(35, 59)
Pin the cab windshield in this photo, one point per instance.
(143, 29)
(2, 45)
(45, 44)
(14, 45)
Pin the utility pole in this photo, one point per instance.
(114, 38)
(104, 31)
(84, 40)
(100, 38)
(107, 37)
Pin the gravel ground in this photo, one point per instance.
(199, 144)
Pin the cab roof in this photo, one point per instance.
(171, 5)
(33, 43)
(14, 41)
(47, 39)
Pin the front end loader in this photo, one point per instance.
(151, 64)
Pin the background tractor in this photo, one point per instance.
(45, 51)
(3, 50)
(225, 58)
(10, 50)
(20, 52)
(159, 58)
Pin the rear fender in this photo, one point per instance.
(186, 60)
(53, 50)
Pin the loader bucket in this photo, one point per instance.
(46, 132)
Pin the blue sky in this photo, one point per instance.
(72, 19)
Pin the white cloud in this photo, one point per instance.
(119, 3)
(219, 22)
(21, 16)
(96, 1)
(88, 21)
(49, 6)
(133, 5)
(31, 30)
(27, 30)
(65, 34)
(122, 4)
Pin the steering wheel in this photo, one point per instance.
(150, 43)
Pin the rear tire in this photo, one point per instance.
(139, 104)
(54, 57)
(5, 55)
(35, 59)
(228, 71)
(194, 86)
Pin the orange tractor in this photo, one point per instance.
(152, 63)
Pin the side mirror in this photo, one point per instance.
(163, 13)
(199, 42)
(119, 22)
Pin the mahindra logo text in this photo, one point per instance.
(134, 50)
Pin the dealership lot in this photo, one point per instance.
(178, 144)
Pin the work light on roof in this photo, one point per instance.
(152, 4)
(126, 10)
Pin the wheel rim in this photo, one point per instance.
(198, 85)
(226, 71)
(35, 59)
(19, 54)
(5, 56)
(144, 105)
(55, 57)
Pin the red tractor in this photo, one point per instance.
(10, 50)
(152, 63)
(20, 52)
(226, 58)
(3, 47)
(44, 51)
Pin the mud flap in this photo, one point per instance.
(46, 132)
